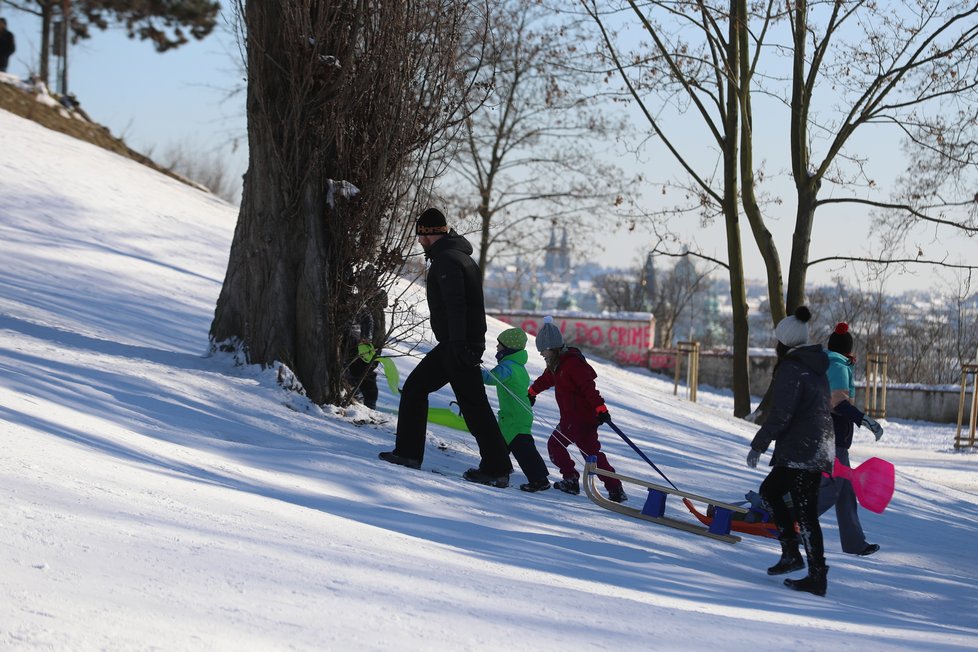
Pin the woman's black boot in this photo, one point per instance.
(815, 582)
(791, 559)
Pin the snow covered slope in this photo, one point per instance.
(151, 497)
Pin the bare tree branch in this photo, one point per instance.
(910, 210)
(893, 261)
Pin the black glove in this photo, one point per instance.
(603, 415)
(533, 399)
(463, 356)
(752, 457)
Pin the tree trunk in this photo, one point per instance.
(740, 365)
(738, 293)
(46, 15)
(805, 184)
(801, 243)
(275, 292)
(800, 160)
(66, 19)
(762, 235)
(347, 103)
(485, 219)
(279, 297)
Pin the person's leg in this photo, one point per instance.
(470, 392)
(529, 458)
(354, 371)
(363, 377)
(828, 493)
(804, 495)
(772, 491)
(559, 455)
(412, 412)
(587, 441)
(369, 387)
(851, 533)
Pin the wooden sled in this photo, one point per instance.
(654, 509)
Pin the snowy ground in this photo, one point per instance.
(154, 498)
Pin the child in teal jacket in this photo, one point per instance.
(839, 491)
(515, 414)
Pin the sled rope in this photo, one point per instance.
(563, 439)
(641, 454)
(567, 440)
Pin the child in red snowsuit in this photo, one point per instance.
(582, 410)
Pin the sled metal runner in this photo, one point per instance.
(654, 508)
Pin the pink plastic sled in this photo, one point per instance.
(873, 482)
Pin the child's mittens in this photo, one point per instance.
(603, 415)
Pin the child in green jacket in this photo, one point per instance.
(515, 414)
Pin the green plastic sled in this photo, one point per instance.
(441, 416)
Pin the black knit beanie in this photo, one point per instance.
(840, 340)
(432, 222)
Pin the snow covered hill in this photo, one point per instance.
(155, 498)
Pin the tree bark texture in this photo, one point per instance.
(731, 211)
(344, 102)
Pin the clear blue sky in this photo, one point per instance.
(152, 100)
(156, 101)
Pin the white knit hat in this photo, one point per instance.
(549, 336)
(792, 331)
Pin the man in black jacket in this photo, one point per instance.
(458, 321)
(7, 46)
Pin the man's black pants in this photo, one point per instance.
(436, 370)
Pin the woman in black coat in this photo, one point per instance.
(800, 425)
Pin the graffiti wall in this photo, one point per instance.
(623, 338)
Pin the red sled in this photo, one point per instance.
(757, 528)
